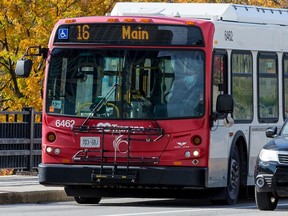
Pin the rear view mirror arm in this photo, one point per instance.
(24, 65)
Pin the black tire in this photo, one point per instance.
(265, 200)
(87, 200)
(234, 177)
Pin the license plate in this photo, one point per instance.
(89, 142)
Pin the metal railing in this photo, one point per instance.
(20, 139)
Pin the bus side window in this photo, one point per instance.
(268, 103)
(242, 84)
(219, 75)
(285, 84)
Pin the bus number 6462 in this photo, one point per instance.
(64, 123)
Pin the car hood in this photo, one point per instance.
(279, 143)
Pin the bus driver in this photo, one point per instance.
(186, 93)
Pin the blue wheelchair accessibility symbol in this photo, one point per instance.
(63, 33)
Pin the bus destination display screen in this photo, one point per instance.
(129, 34)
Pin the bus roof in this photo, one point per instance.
(211, 11)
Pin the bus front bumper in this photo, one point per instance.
(92, 175)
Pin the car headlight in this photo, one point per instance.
(268, 155)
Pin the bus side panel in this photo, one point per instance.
(218, 156)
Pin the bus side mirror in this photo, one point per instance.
(224, 106)
(23, 67)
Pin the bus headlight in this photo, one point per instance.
(57, 151)
(196, 153)
(187, 154)
(49, 149)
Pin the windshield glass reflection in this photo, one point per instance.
(126, 84)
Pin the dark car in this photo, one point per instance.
(271, 170)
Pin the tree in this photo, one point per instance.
(264, 3)
(26, 23)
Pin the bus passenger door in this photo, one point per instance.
(219, 140)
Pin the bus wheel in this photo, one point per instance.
(233, 177)
(233, 184)
(265, 200)
(87, 200)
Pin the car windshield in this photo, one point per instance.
(284, 130)
(126, 84)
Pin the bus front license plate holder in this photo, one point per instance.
(90, 142)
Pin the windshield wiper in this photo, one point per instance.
(100, 104)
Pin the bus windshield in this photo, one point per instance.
(126, 83)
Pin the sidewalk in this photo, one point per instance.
(26, 189)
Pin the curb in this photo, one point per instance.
(34, 197)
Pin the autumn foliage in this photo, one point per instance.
(28, 23)
(4, 172)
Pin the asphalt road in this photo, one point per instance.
(141, 207)
(22, 195)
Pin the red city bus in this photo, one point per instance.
(138, 103)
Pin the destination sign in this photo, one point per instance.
(129, 34)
